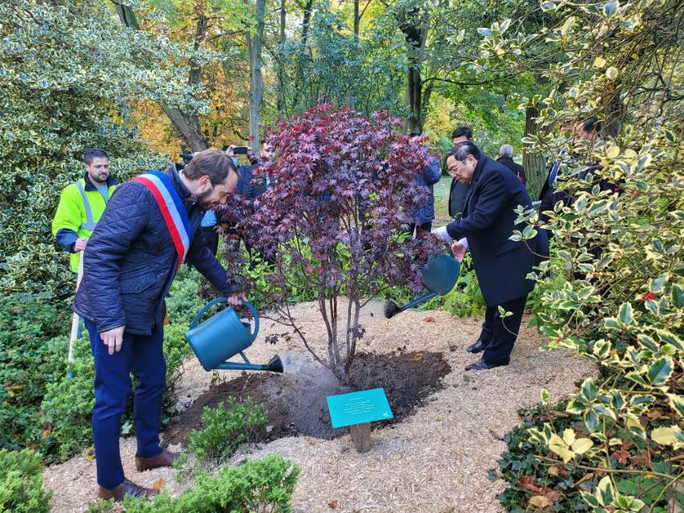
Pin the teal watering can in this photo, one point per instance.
(224, 335)
(440, 275)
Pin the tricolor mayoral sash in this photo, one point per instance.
(172, 209)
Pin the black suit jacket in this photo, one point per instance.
(513, 166)
(488, 222)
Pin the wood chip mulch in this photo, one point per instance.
(435, 461)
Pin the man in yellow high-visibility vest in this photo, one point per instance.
(82, 203)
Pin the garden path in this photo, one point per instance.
(434, 461)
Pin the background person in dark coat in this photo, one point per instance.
(501, 264)
(506, 160)
(458, 191)
(428, 176)
(129, 265)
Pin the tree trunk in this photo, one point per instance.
(613, 113)
(187, 125)
(357, 20)
(533, 161)
(414, 28)
(280, 97)
(254, 43)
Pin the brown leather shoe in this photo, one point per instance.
(126, 488)
(163, 459)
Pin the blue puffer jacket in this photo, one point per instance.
(428, 177)
(131, 261)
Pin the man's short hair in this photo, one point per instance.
(213, 163)
(506, 150)
(93, 153)
(415, 134)
(462, 150)
(462, 131)
(591, 125)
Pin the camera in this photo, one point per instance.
(187, 157)
(240, 150)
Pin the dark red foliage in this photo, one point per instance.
(343, 193)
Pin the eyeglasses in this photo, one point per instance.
(455, 167)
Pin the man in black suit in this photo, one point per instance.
(458, 191)
(506, 160)
(485, 229)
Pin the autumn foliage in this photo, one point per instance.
(334, 218)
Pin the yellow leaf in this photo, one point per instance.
(632, 421)
(540, 502)
(569, 437)
(630, 154)
(90, 454)
(159, 484)
(553, 471)
(567, 26)
(599, 62)
(613, 152)
(558, 446)
(666, 435)
(582, 445)
(612, 72)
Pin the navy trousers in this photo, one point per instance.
(141, 355)
(500, 333)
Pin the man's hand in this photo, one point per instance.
(459, 250)
(80, 244)
(113, 339)
(236, 299)
(442, 233)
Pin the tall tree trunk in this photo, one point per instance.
(306, 20)
(533, 161)
(254, 43)
(186, 124)
(300, 83)
(414, 27)
(280, 65)
(357, 20)
(613, 113)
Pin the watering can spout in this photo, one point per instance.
(275, 365)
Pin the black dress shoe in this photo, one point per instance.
(477, 347)
(482, 365)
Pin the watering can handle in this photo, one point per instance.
(218, 300)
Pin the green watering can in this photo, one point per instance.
(224, 335)
(440, 275)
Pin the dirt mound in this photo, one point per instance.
(296, 399)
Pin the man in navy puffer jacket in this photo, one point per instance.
(129, 265)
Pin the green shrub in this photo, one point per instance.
(623, 308)
(183, 301)
(465, 299)
(226, 427)
(68, 403)
(67, 408)
(254, 486)
(31, 356)
(21, 483)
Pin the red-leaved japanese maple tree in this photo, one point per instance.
(342, 193)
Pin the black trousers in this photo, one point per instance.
(500, 333)
(419, 229)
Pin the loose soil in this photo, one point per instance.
(297, 405)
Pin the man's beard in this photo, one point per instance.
(201, 199)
